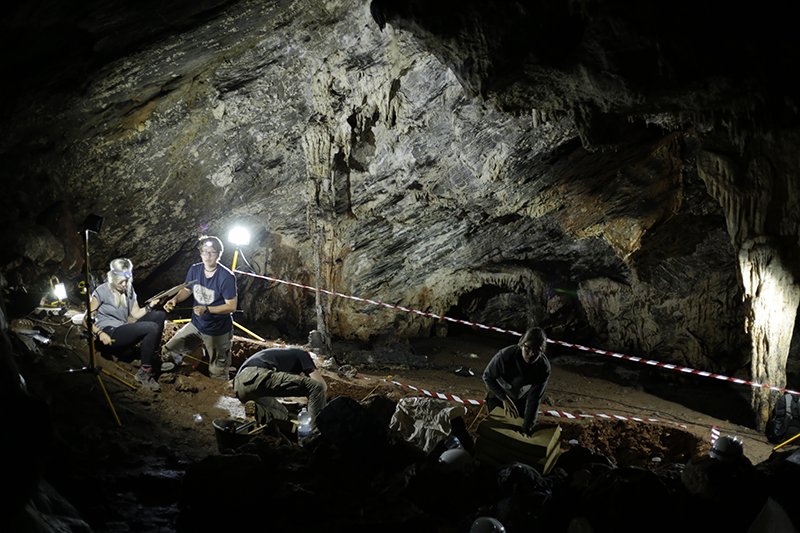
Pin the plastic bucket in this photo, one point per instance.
(228, 440)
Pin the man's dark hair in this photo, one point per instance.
(212, 241)
(535, 338)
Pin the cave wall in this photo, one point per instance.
(447, 164)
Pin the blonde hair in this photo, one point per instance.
(121, 269)
(121, 264)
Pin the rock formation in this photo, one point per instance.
(624, 175)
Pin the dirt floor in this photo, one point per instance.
(128, 477)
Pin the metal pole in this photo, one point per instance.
(235, 257)
(233, 268)
(90, 323)
(784, 443)
(89, 316)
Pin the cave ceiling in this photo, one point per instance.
(626, 171)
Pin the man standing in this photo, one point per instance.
(215, 299)
(517, 376)
(279, 372)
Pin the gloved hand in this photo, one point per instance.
(510, 408)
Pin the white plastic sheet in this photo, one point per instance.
(424, 421)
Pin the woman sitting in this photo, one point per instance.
(119, 322)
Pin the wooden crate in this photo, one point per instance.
(500, 442)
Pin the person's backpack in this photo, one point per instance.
(784, 422)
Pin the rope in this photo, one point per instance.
(616, 355)
(548, 412)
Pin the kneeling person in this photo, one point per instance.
(279, 372)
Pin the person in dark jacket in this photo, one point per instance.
(517, 376)
(279, 372)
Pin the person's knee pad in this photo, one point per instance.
(267, 413)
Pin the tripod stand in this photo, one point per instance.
(233, 268)
(93, 223)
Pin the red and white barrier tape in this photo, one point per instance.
(603, 416)
(714, 434)
(616, 355)
(548, 412)
(381, 304)
(438, 395)
(669, 366)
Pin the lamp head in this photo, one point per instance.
(57, 294)
(60, 291)
(239, 235)
(93, 223)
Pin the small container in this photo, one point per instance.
(228, 440)
(303, 426)
(197, 418)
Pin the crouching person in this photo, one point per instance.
(276, 373)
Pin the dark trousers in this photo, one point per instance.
(146, 330)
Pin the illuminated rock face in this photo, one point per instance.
(624, 176)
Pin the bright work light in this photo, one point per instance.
(60, 291)
(239, 236)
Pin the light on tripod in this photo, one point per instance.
(93, 223)
(239, 235)
(60, 291)
(56, 295)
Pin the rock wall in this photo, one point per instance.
(378, 154)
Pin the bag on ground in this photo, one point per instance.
(784, 422)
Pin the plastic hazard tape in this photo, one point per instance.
(603, 416)
(714, 434)
(669, 366)
(548, 412)
(381, 304)
(616, 355)
(438, 395)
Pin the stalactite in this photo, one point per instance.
(318, 149)
(748, 198)
(772, 298)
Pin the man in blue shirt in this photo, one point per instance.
(213, 287)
